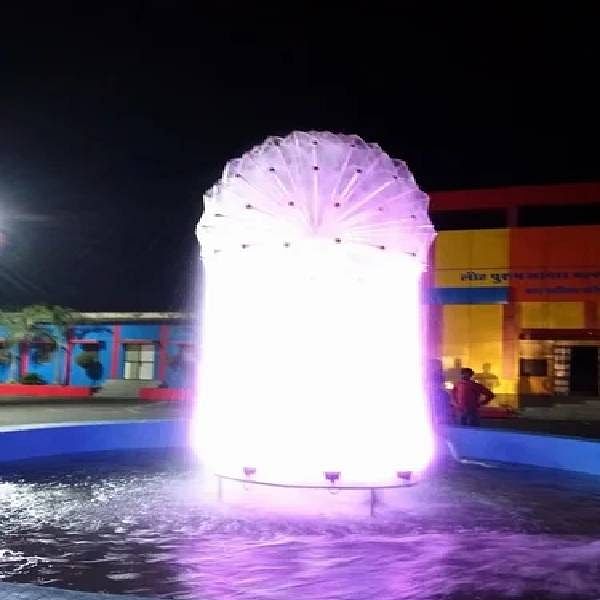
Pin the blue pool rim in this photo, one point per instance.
(581, 455)
(22, 442)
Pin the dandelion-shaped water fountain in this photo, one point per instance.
(313, 246)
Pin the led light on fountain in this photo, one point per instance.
(313, 246)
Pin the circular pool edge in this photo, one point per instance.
(21, 442)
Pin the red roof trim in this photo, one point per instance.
(564, 193)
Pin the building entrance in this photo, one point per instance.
(583, 380)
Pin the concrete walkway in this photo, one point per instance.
(21, 412)
(586, 429)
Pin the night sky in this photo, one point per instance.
(115, 117)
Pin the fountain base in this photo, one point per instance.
(314, 500)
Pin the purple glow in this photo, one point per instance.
(313, 247)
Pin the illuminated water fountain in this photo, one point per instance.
(311, 399)
(313, 246)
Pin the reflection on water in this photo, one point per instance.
(137, 524)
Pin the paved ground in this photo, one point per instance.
(57, 411)
(20, 411)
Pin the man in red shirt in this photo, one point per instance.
(467, 396)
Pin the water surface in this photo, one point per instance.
(137, 523)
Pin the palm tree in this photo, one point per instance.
(38, 323)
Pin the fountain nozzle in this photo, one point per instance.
(332, 476)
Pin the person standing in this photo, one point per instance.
(467, 398)
(442, 407)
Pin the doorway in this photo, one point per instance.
(584, 371)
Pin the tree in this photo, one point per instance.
(38, 323)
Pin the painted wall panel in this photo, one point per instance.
(472, 337)
(101, 332)
(469, 258)
(555, 263)
(552, 315)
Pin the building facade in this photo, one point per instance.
(514, 288)
(157, 347)
(513, 292)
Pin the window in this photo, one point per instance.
(536, 367)
(445, 220)
(139, 361)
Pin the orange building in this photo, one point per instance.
(515, 288)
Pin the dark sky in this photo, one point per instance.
(115, 117)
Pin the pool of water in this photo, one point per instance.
(137, 523)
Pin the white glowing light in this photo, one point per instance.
(313, 247)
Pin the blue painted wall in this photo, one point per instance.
(178, 375)
(4, 368)
(138, 331)
(46, 369)
(141, 331)
(103, 333)
(42, 364)
(175, 376)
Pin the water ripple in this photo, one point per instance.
(136, 524)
